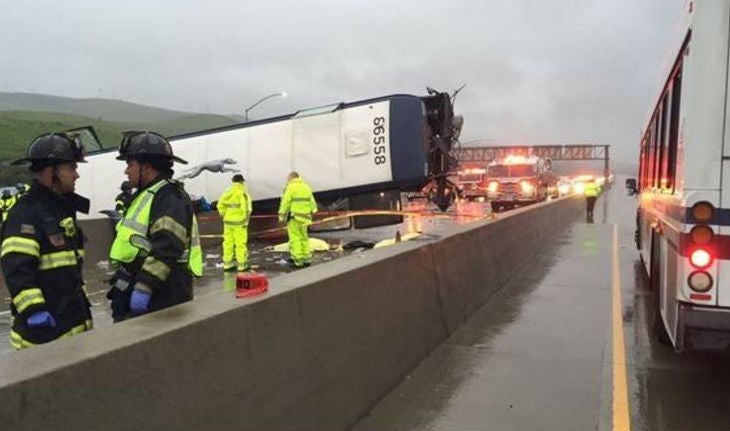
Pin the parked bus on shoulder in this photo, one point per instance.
(683, 215)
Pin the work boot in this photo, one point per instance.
(229, 267)
(244, 268)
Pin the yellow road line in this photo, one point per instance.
(621, 418)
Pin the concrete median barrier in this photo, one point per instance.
(317, 352)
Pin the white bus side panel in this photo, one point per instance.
(331, 151)
(358, 136)
(100, 180)
(206, 148)
(703, 98)
(315, 151)
(723, 276)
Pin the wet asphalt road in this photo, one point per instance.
(539, 355)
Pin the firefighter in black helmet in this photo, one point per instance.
(42, 247)
(156, 249)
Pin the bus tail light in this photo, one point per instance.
(701, 235)
(702, 211)
(700, 281)
(700, 258)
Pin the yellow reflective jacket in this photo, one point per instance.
(592, 189)
(137, 224)
(234, 205)
(6, 204)
(297, 202)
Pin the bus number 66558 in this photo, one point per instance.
(379, 140)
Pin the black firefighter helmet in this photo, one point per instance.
(145, 146)
(52, 149)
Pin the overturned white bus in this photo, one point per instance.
(362, 152)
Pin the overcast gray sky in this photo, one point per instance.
(559, 71)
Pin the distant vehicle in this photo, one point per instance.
(684, 185)
(472, 181)
(564, 186)
(365, 152)
(631, 186)
(518, 181)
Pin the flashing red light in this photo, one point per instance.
(700, 258)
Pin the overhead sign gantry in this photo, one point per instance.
(581, 152)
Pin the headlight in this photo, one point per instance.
(579, 188)
(527, 187)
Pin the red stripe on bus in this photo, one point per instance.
(680, 241)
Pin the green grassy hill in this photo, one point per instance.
(17, 128)
(101, 109)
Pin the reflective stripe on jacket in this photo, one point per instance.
(42, 254)
(133, 231)
(591, 189)
(297, 201)
(234, 205)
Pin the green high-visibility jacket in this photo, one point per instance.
(297, 202)
(234, 205)
(151, 249)
(592, 189)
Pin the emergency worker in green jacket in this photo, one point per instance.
(235, 207)
(157, 247)
(7, 201)
(43, 249)
(591, 191)
(297, 208)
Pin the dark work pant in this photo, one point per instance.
(590, 203)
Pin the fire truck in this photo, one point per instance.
(518, 181)
(472, 181)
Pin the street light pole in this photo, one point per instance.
(245, 113)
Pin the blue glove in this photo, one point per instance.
(140, 302)
(41, 319)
